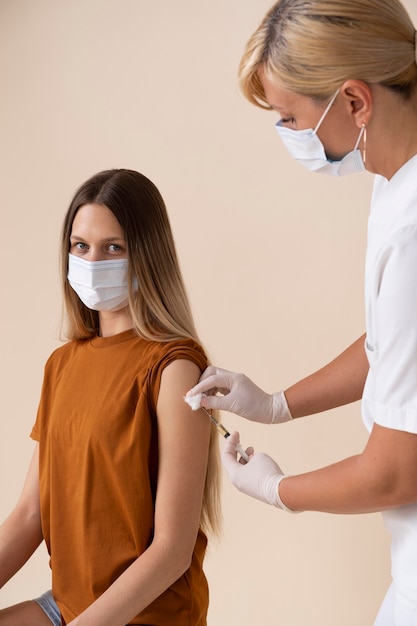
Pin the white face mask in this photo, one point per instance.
(100, 285)
(306, 147)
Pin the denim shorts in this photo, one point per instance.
(49, 606)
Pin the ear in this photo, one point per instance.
(357, 96)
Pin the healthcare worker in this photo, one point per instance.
(342, 77)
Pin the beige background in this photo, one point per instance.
(272, 256)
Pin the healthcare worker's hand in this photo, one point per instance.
(241, 396)
(259, 478)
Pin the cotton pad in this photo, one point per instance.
(194, 401)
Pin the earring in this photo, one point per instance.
(364, 142)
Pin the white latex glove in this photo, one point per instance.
(259, 478)
(241, 396)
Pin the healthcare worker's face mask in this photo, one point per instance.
(306, 147)
(100, 285)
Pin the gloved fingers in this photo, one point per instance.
(231, 442)
(211, 370)
(219, 403)
(208, 402)
(249, 453)
(239, 395)
(257, 478)
(266, 464)
(213, 380)
(229, 454)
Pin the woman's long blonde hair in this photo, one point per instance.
(160, 309)
(313, 46)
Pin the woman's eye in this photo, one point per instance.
(113, 247)
(286, 120)
(79, 245)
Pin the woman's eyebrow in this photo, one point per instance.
(277, 108)
(106, 239)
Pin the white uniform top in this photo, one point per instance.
(390, 394)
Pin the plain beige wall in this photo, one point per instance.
(272, 257)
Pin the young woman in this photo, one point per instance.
(124, 479)
(342, 75)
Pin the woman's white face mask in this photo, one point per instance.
(306, 147)
(100, 285)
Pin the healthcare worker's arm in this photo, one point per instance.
(338, 383)
(21, 533)
(382, 477)
(183, 439)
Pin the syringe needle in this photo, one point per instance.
(225, 433)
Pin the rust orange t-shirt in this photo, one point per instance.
(98, 444)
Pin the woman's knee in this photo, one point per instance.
(24, 614)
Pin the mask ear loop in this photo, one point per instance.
(362, 132)
(326, 110)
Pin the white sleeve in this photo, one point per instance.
(393, 336)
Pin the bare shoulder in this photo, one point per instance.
(178, 377)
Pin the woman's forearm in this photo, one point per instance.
(20, 535)
(21, 532)
(149, 576)
(338, 383)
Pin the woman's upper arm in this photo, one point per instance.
(183, 437)
(29, 497)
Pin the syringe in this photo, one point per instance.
(225, 433)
